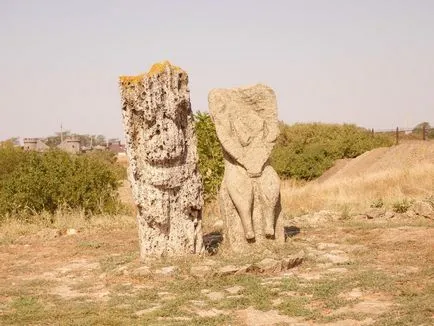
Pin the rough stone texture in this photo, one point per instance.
(200, 271)
(161, 149)
(424, 209)
(375, 213)
(293, 260)
(249, 198)
(269, 265)
(142, 271)
(227, 270)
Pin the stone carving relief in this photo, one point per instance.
(247, 127)
(163, 172)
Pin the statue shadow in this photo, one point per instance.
(290, 231)
(212, 241)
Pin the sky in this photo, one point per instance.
(368, 62)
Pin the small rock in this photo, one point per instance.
(324, 246)
(337, 259)
(48, 234)
(317, 218)
(277, 302)
(200, 271)
(269, 265)
(292, 261)
(310, 276)
(167, 271)
(375, 213)
(209, 313)
(142, 271)
(234, 289)
(355, 293)
(389, 214)
(215, 296)
(147, 311)
(409, 214)
(236, 296)
(423, 208)
(71, 232)
(122, 270)
(227, 270)
(198, 303)
(244, 269)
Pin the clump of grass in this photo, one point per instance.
(90, 244)
(378, 203)
(401, 206)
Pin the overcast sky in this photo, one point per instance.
(369, 62)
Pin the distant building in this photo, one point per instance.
(116, 147)
(35, 144)
(99, 148)
(71, 145)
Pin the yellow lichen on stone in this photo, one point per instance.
(127, 80)
(155, 69)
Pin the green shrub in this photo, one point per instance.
(401, 206)
(210, 153)
(48, 181)
(306, 150)
(10, 158)
(378, 203)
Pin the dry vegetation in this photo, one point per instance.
(356, 272)
(386, 174)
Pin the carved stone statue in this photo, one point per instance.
(161, 149)
(247, 127)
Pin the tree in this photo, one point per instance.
(429, 131)
(210, 153)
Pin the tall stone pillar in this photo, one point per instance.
(161, 149)
(249, 198)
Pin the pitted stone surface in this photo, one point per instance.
(162, 154)
(247, 127)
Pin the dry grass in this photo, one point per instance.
(360, 192)
(15, 228)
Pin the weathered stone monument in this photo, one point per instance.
(249, 198)
(163, 172)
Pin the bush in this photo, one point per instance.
(378, 203)
(401, 206)
(306, 150)
(210, 153)
(48, 181)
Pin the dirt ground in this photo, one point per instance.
(355, 272)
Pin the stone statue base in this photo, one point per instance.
(234, 233)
